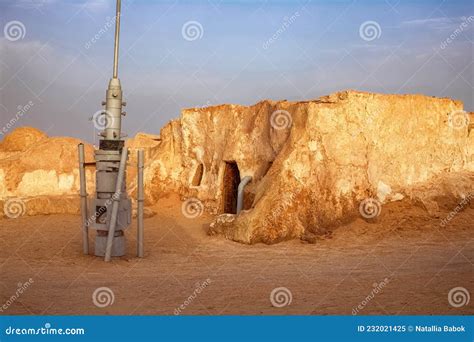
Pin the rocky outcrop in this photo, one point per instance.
(314, 164)
(39, 174)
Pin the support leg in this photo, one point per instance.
(115, 205)
(140, 202)
(83, 193)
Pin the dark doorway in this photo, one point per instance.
(231, 185)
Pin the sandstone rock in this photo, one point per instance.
(42, 172)
(312, 162)
(21, 139)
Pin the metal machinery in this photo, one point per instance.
(110, 211)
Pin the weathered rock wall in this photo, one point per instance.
(311, 162)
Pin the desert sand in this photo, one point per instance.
(419, 260)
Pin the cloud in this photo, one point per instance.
(96, 5)
(440, 23)
(30, 4)
(92, 6)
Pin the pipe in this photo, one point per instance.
(240, 193)
(140, 202)
(83, 194)
(115, 205)
(117, 36)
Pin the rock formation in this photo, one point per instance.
(312, 163)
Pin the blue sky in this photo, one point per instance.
(245, 51)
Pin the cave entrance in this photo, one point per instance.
(230, 187)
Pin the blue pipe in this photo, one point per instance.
(240, 193)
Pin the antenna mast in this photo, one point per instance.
(117, 36)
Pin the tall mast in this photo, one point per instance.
(117, 36)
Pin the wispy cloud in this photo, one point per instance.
(90, 5)
(30, 4)
(440, 23)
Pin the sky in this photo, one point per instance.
(56, 56)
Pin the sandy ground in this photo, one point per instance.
(421, 261)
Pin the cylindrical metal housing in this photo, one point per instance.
(113, 110)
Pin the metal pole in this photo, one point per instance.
(117, 34)
(140, 202)
(115, 205)
(83, 193)
(240, 193)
